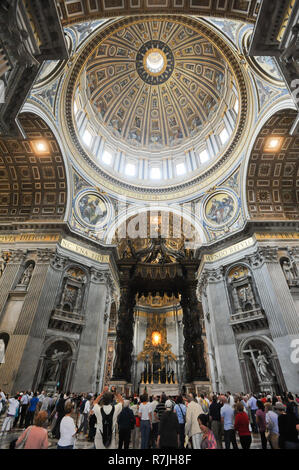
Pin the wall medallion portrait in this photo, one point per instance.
(220, 208)
(92, 209)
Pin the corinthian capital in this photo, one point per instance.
(58, 262)
(269, 253)
(215, 275)
(98, 277)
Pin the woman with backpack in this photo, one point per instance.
(106, 415)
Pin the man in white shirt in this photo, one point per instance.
(106, 408)
(252, 406)
(192, 428)
(146, 416)
(24, 406)
(228, 420)
(86, 412)
(11, 413)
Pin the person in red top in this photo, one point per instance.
(242, 426)
(264, 398)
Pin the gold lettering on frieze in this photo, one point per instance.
(277, 236)
(30, 237)
(230, 250)
(84, 251)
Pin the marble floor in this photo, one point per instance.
(82, 441)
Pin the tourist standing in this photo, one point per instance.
(252, 407)
(24, 403)
(272, 426)
(215, 419)
(180, 409)
(36, 436)
(59, 414)
(145, 415)
(136, 431)
(242, 426)
(155, 423)
(261, 423)
(208, 438)
(192, 428)
(106, 415)
(13, 405)
(126, 422)
(86, 411)
(288, 426)
(228, 418)
(31, 410)
(169, 431)
(67, 428)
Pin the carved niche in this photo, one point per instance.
(290, 271)
(69, 312)
(246, 311)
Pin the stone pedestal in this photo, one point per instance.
(201, 386)
(122, 387)
(158, 389)
(50, 387)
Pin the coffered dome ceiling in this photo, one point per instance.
(156, 85)
(155, 100)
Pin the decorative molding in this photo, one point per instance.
(45, 255)
(58, 262)
(17, 256)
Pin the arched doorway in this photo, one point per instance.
(56, 367)
(260, 366)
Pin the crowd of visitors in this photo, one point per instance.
(112, 421)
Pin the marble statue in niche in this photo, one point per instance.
(57, 361)
(242, 290)
(25, 279)
(4, 258)
(260, 368)
(69, 295)
(54, 365)
(264, 368)
(290, 271)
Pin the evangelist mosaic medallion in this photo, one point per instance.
(92, 209)
(220, 208)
